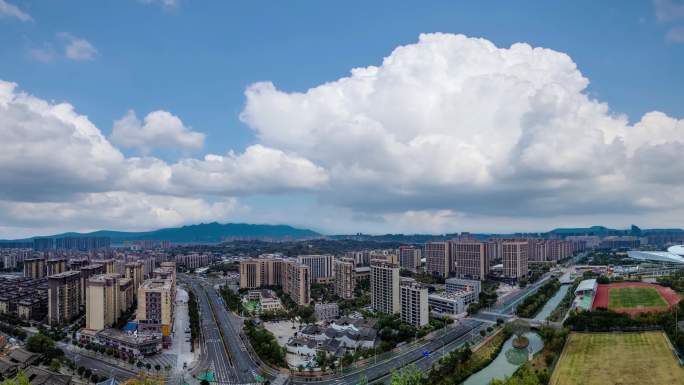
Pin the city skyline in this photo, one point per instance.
(466, 120)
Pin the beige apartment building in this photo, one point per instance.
(34, 268)
(345, 282)
(293, 277)
(102, 301)
(87, 272)
(56, 266)
(63, 297)
(259, 272)
(155, 304)
(514, 255)
(298, 282)
(384, 285)
(136, 272)
(470, 259)
(109, 265)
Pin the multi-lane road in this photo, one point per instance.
(224, 353)
(454, 337)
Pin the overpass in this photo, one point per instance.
(491, 317)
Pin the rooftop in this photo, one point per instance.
(658, 256)
(587, 284)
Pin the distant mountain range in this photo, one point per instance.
(216, 232)
(203, 233)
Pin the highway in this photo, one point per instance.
(227, 355)
(217, 358)
(245, 368)
(454, 337)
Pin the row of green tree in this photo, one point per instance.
(531, 305)
(606, 320)
(193, 312)
(565, 304)
(231, 299)
(265, 344)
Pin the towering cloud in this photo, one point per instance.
(457, 123)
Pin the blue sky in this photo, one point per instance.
(195, 59)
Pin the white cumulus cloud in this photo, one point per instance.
(456, 123)
(58, 168)
(159, 129)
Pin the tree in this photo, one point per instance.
(410, 375)
(20, 379)
(39, 343)
(204, 382)
(55, 365)
(157, 367)
(80, 370)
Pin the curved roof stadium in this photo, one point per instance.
(657, 256)
(678, 249)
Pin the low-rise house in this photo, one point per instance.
(8, 369)
(23, 357)
(38, 376)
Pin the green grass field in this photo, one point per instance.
(644, 358)
(629, 297)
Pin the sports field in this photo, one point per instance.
(635, 297)
(643, 358)
(627, 297)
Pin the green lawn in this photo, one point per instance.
(617, 358)
(629, 297)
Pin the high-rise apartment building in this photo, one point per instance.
(438, 258)
(292, 276)
(86, 272)
(34, 268)
(345, 282)
(258, 272)
(43, 244)
(109, 265)
(320, 266)
(102, 301)
(56, 266)
(514, 255)
(135, 271)
(384, 285)
(414, 304)
(63, 297)
(82, 243)
(470, 259)
(409, 257)
(155, 304)
(298, 282)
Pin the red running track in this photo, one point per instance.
(602, 297)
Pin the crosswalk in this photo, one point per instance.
(162, 360)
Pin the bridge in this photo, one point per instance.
(492, 317)
(538, 324)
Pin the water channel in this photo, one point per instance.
(506, 364)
